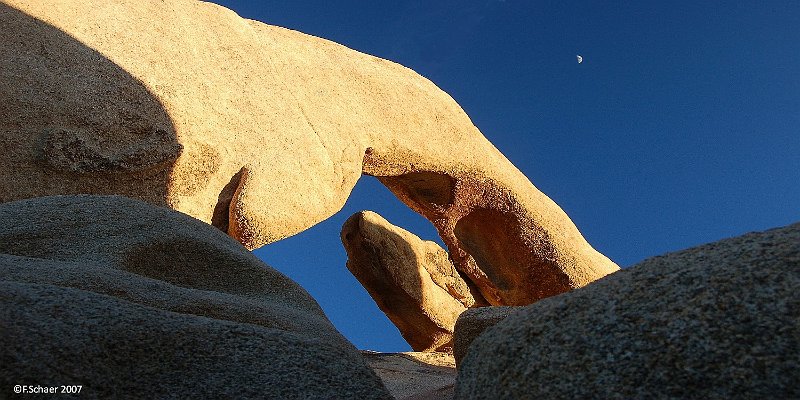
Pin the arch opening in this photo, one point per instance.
(316, 260)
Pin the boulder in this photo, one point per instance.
(263, 132)
(410, 279)
(131, 300)
(415, 375)
(472, 322)
(715, 321)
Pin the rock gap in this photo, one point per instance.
(322, 268)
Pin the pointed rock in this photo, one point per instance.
(412, 280)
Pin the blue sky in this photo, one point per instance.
(681, 126)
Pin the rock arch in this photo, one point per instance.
(289, 119)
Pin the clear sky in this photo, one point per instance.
(680, 127)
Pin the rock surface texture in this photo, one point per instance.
(472, 322)
(263, 132)
(715, 321)
(136, 301)
(412, 280)
(415, 376)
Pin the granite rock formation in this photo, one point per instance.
(132, 300)
(472, 322)
(414, 375)
(715, 321)
(263, 132)
(411, 280)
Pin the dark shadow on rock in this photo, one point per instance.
(72, 121)
(426, 190)
(221, 217)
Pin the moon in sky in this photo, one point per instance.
(580, 59)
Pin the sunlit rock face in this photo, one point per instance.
(263, 131)
(411, 280)
(131, 300)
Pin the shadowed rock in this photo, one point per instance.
(263, 131)
(136, 301)
(471, 323)
(715, 321)
(410, 279)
